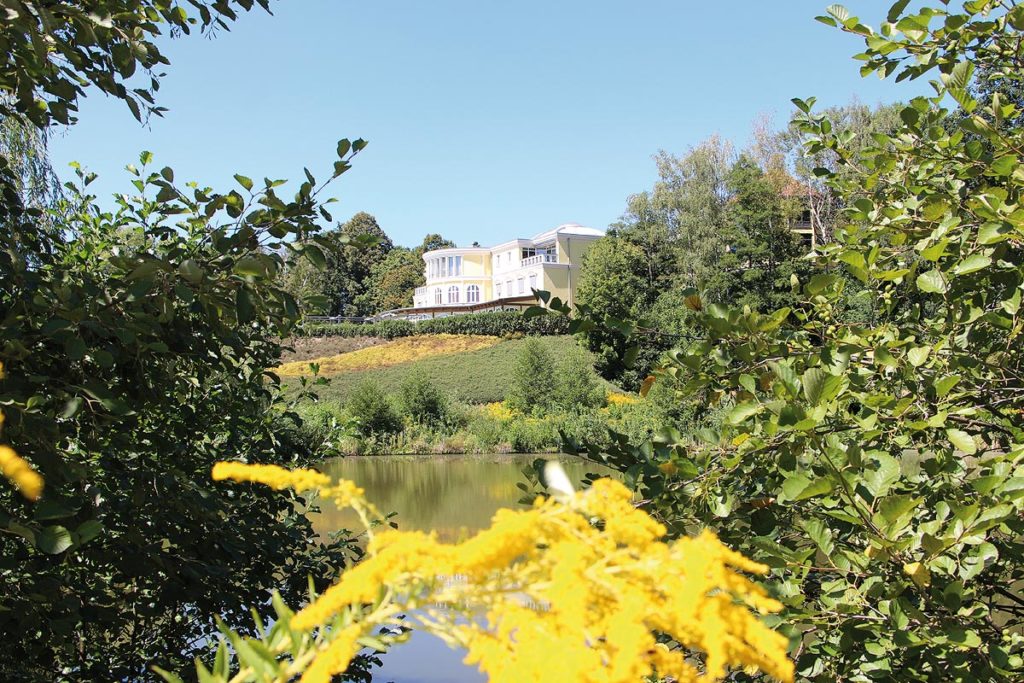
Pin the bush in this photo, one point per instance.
(494, 324)
(576, 383)
(421, 401)
(371, 407)
(533, 388)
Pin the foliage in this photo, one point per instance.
(421, 401)
(763, 252)
(576, 386)
(406, 350)
(493, 323)
(337, 283)
(107, 343)
(392, 281)
(877, 465)
(372, 410)
(53, 50)
(612, 281)
(134, 338)
(615, 601)
(533, 388)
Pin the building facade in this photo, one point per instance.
(479, 278)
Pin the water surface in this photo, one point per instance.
(450, 494)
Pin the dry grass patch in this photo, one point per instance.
(311, 348)
(395, 352)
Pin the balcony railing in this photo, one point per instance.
(421, 291)
(539, 258)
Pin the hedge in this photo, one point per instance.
(497, 324)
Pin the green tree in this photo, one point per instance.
(533, 389)
(576, 385)
(876, 466)
(613, 281)
(392, 281)
(761, 250)
(421, 400)
(372, 408)
(337, 285)
(135, 340)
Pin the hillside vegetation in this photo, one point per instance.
(472, 369)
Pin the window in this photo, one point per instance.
(508, 288)
(533, 280)
(521, 283)
(437, 295)
(472, 294)
(458, 265)
(453, 294)
(497, 290)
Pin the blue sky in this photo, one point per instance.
(486, 120)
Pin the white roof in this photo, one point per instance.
(570, 229)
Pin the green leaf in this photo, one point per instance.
(243, 181)
(971, 264)
(931, 281)
(962, 441)
(742, 411)
(918, 355)
(53, 540)
(813, 382)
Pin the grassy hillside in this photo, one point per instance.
(474, 376)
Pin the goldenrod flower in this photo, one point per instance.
(20, 473)
(561, 598)
(275, 477)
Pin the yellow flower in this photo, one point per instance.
(275, 477)
(499, 411)
(335, 658)
(618, 398)
(20, 473)
(578, 589)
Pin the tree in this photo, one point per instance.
(135, 342)
(338, 285)
(576, 386)
(434, 241)
(860, 123)
(393, 281)
(876, 466)
(533, 388)
(762, 252)
(613, 280)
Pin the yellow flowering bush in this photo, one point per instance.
(580, 588)
(617, 398)
(395, 352)
(499, 411)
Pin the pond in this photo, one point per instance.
(452, 495)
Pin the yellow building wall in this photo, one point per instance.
(556, 281)
(476, 265)
(571, 250)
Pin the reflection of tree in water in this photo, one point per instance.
(453, 496)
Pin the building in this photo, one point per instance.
(470, 279)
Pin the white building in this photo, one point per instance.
(473, 278)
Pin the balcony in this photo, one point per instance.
(538, 259)
(420, 291)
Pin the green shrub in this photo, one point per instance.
(372, 408)
(533, 388)
(576, 384)
(494, 324)
(421, 401)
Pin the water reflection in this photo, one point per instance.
(452, 495)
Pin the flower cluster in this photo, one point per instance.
(579, 589)
(617, 398)
(16, 469)
(499, 411)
